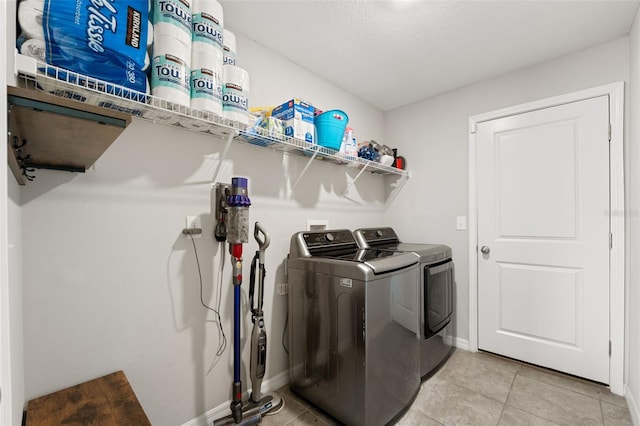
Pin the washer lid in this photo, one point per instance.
(385, 264)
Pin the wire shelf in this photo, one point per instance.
(36, 75)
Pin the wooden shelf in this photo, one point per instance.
(50, 132)
(107, 401)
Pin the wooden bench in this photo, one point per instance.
(107, 401)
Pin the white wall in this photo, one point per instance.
(109, 280)
(15, 297)
(433, 136)
(12, 378)
(633, 226)
(265, 67)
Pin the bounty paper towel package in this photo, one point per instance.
(298, 119)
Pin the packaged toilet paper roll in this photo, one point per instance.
(229, 47)
(147, 62)
(30, 18)
(172, 18)
(235, 94)
(92, 29)
(35, 48)
(207, 23)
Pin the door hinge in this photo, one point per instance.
(609, 132)
(610, 240)
(609, 347)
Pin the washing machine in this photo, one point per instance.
(354, 327)
(436, 286)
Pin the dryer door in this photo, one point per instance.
(438, 296)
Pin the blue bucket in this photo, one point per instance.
(330, 127)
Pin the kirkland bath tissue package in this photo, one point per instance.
(100, 38)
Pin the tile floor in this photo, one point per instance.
(482, 389)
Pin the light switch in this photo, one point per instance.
(461, 223)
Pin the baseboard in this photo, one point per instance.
(222, 410)
(633, 407)
(461, 343)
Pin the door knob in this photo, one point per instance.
(485, 250)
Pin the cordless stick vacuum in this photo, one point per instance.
(268, 402)
(238, 233)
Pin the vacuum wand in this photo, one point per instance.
(237, 233)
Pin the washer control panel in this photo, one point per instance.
(314, 240)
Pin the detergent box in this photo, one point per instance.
(297, 117)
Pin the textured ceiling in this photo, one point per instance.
(392, 53)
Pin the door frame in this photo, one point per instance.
(617, 313)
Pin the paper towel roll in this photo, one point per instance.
(30, 18)
(170, 71)
(206, 56)
(35, 48)
(173, 18)
(170, 80)
(167, 29)
(207, 6)
(206, 90)
(168, 44)
(229, 47)
(207, 23)
(235, 93)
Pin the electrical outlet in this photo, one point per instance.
(193, 226)
(317, 224)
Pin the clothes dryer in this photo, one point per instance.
(436, 292)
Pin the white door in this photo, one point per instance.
(543, 221)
